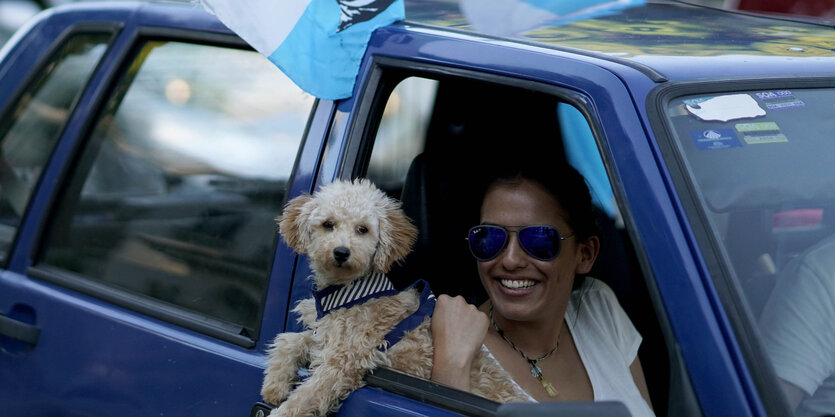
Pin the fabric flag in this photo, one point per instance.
(515, 17)
(318, 44)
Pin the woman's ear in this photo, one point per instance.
(587, 252)
(293, 223)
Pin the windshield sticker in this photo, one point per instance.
(780, 100)
(726, 108)
(763, 132)
(711, 139)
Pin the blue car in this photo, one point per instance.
(145, 151)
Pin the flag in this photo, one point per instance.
(318, 44)
(515, 17)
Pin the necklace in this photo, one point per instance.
(536, 371)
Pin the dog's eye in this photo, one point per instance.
(362, 230)
(328, 225)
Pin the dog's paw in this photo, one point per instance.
(293, 409)
(274, 392)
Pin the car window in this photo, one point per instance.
(31, 127)
(435, 147)
(174, 196)
(761, 164)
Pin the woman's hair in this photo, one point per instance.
(564, 183)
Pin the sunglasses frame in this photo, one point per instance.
(507, 239)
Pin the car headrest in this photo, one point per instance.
(443, 202)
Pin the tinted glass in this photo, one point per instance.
(175, 193)
(30, 130)
(762, 166)
(402, 132)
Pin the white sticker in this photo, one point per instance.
(725, 108)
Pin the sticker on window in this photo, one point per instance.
(780, 100)
(726, 108)
(711, 139)
(762, 132)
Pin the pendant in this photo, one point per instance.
(549, 388)
(536, 372)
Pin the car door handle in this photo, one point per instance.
(19, 330)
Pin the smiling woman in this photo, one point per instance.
(561, 335)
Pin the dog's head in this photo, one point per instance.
(347, 229)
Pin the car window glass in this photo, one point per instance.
(31, 128)
(402, 132)
(175, 193)
(761, 163)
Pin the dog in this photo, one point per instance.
(352, 233)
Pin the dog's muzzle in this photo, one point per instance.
(341, 255)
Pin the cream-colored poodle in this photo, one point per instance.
(352, 233)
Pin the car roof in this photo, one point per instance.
(678, 40)
(666, 40)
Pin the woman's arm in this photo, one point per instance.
(458, 331)
(638, 375)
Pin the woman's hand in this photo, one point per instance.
(458, 331)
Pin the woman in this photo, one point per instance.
(561, 337)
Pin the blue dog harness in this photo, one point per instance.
(373, 286)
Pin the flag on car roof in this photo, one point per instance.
(515, 17)
(318, 44)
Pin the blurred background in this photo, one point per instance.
(15, 13)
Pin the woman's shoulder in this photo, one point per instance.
(594, 297)
(595, 287)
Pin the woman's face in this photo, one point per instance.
(521, 287)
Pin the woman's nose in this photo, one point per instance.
(513, 256)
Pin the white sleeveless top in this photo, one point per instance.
(607, 343)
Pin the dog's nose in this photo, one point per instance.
(341, 254)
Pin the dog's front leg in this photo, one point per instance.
(289, 351)
(340, 372)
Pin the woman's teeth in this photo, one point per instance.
(516, 283)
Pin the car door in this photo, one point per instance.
(143, 165)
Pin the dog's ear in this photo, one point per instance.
(293, 223)
(397, 236)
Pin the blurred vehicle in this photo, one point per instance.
(145, 151)
(14, 14)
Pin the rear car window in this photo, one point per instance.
(761, 166)
(30, 128)
(174, 195)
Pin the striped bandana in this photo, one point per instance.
(372, 286)
(359, 291)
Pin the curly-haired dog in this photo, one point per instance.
(352, 233)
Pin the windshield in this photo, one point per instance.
(762, 165)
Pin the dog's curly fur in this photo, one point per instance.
(341, 347)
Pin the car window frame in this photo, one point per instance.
(711, 252)
(171, 314)
(355, 157)
(113, 29)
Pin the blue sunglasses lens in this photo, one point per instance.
(541, 242)
(486, 241)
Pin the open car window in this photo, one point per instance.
(432, 132)
(761, 166)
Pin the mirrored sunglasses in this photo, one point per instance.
(488, 241)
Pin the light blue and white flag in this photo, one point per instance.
(318, 44)
(515, 17)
